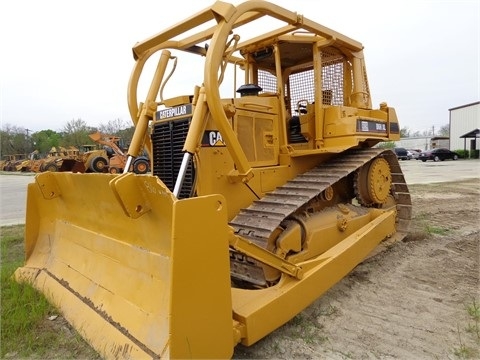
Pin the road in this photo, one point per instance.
(13, 186)
(13, 197)
(418, 172)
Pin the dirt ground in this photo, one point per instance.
(408, 302)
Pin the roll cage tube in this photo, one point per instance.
(213, 64)
(227, 17)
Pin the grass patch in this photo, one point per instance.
(473, 327)
(435, 230)
(26, 331)
(308, 326)
(464, 351)
(23, 308)
(422, 228)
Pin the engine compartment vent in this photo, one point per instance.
(168, 139)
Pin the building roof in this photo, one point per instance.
(472, 134)
(464, 106)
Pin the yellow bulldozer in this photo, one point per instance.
(266, 189)
(63, 159)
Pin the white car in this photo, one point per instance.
(413, 154)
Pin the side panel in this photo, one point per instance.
(345, 126)
(256, 125)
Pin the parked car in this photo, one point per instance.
(439, 154)
(415, 153)
(402, 153)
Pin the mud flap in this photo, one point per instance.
(149, 286)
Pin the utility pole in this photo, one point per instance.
(29, 141)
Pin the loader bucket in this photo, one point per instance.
(72, 165)
(137, 272)
(95, 136)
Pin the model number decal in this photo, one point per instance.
(212, 138)
(375, 126)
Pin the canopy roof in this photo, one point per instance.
(472, 134)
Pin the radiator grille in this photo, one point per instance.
(167, 141)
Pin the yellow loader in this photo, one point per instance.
(266, 189)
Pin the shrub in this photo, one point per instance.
(462, 153)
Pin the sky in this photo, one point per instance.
(63, 60)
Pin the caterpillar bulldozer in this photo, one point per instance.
(266, 189)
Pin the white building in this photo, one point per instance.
(424, 142)
(418, 143)
(465, 127)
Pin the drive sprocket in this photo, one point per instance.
(373, 182)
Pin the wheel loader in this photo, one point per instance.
(116, 157)
(267, 187)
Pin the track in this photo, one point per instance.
(257, 222)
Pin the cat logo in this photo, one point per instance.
(212, 138)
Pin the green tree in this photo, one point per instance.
(14, 140)
(126, 136)
(75, 133)
(44, 140)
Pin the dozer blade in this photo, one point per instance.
(137, 272)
